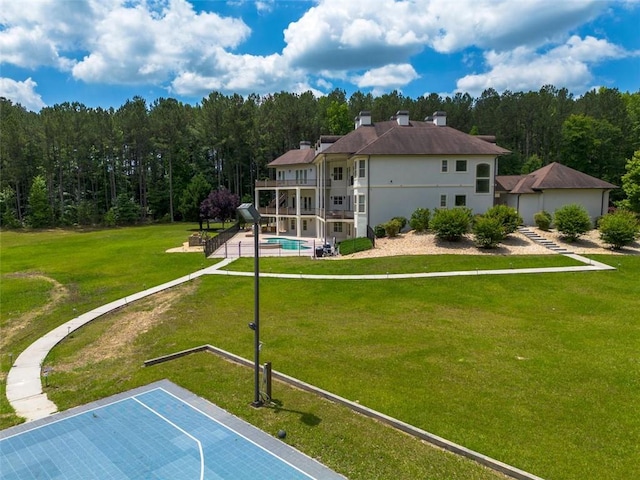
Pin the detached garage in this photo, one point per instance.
(551, 187)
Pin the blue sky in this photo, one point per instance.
(103, 52)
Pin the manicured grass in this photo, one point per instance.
(357, 447)
(539, 371)
(399, 264)
(95, 267)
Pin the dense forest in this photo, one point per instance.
(147, 162)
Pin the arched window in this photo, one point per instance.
(483, 178)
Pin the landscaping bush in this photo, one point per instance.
(572, 221)
(420, 219)
(379, 231)
(402, 221)
(488, 232)
(393, 227)
(619, 229)
(451, 224)
(508, 217)
(543, 220)
(354, 245)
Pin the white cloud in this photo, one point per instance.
(167, 43)
(524, 69)
(389, 76)
(23, 93)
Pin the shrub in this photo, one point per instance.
(572, 221)
(402, 221)
(420, 219)
(488, 232)
(392, 227)
(619, 229)
(451, 224)
(354, 245)
(543, 220)
(508, 217)
(379, 231)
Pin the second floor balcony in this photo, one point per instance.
(292, 183)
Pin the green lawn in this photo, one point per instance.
(540, 371)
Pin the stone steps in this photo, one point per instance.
(554, 247)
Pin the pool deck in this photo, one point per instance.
(242, 245)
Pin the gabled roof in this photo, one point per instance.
(417, 138)
(552, 176)
(294, 157)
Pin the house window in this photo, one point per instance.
(444, 166)
(337, 200)
(337, 227)
(483, 174)
(304, 225)
(337, 173)
(361, 169)
(461, 201)
(461, 165)
(280, 174)
(361, 204)
(293, 224)
(443, 201)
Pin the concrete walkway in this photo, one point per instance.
(24, 381)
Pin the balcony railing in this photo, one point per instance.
(292, 183)
(320, 212)
(288, 211)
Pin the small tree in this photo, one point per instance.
(8, 217)
(543, 220)
(508, 217)
(488, 232)
(419, 220)
(40, 213)
(451, 224)
(572, 221)
(619, 228)
(631, 184)
(126, 210)
(193, 196)
(220, 205)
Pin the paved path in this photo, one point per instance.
(24, 381)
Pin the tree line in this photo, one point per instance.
(159, 161)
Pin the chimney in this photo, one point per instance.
(363, 119)
(402, 117)
(440, 118)
(305, 145)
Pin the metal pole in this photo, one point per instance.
(256, 315)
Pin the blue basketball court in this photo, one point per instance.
(156, 432)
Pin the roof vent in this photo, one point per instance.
(363, 119)
(440, 118)
(402, 117)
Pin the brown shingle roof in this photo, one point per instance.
(417, 138)
(294, 157)
(552, 176)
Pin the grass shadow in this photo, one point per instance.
(305, 417)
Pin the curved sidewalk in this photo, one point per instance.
(24, 383)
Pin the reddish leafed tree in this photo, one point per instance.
(220, 205)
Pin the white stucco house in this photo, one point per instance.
(551, 187)
(380, 170)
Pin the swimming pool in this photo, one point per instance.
(289, 244)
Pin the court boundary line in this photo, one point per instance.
(310, 470)
(238, 433)
(184, 432)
